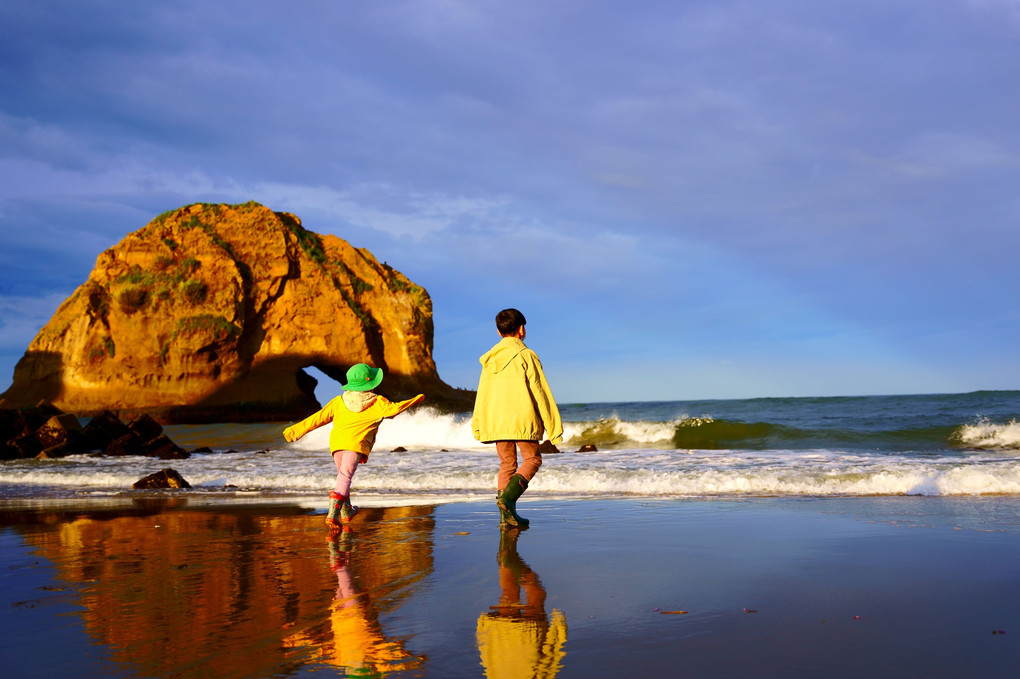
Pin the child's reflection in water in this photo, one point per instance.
(357, 642)
(516, 638)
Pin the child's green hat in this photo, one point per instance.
(362, 377)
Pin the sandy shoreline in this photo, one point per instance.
(910, 587)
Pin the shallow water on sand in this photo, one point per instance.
(769, 587)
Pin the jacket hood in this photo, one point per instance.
(500, 356)
(356, 401)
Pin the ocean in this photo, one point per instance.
(945, 445)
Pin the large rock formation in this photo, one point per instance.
(210, 312)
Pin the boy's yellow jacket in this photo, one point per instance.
(512, 647)
(514, 402)
(351, 430)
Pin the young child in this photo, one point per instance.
(514, 408)
(356, 415)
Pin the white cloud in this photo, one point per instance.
(940, 156)
(381, 207)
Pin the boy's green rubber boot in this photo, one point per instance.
(506, 519)
(507, 502)
(507, 556)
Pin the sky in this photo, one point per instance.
(687, 200)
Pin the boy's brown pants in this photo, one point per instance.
(531, 460)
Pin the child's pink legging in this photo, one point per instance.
(347, 462)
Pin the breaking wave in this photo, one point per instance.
(426, 429)
(937, 445)
(986, 435)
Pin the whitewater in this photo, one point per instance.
(932, 445)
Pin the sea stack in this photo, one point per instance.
(211, 312)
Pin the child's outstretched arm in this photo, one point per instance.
(395, 409)
(296, 431)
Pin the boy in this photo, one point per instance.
(356, 415)
(513, 409)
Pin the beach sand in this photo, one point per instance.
(766, 587)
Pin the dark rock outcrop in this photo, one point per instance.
(165, 449)
(128, 444)
(62, 435)
(61, 429)
(165, 478)
(145, 427)
(21, 447)
(547, 448)
(104, 429)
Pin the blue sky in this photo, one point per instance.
(687, 200)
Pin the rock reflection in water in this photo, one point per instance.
(243, 592)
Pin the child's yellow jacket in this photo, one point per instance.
(351, 431)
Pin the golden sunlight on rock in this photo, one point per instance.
(210, 313)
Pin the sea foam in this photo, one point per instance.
(428, 429)
(987, 435)
(419, 429)
(471, 473)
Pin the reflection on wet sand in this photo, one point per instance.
(516, 638)
(354, 640)
(184, 591)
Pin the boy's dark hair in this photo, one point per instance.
(508, 320)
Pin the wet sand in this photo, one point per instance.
(905, 587)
